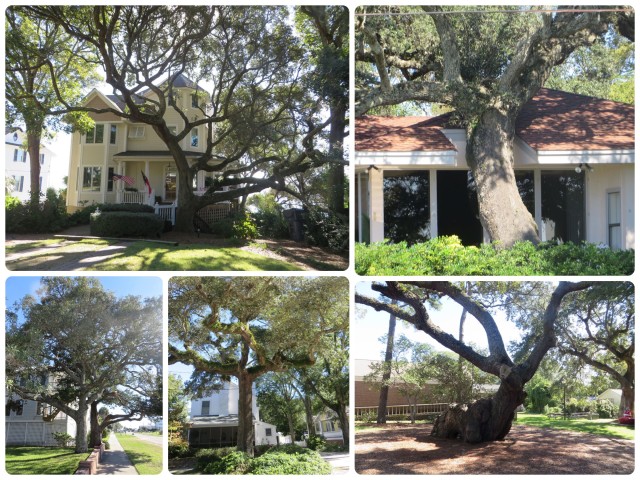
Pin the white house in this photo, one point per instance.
(28, 422)
(614, 395)
(120, 161)
(574, 163)
(17, 164)
(213, 420)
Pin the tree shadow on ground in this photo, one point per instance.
(409, 449)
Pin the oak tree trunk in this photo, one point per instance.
(81, 427)
(311, 426)
(484, 420)
(33, 147)
(336, 152)
(344, 424)
(246, 437)
(386, 375)
(96, 431)
(627, 400)
(490, 157)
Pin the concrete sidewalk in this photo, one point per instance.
(115, 461)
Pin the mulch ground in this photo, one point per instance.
(409, 449)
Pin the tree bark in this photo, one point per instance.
(80, 418)
(388, 356)
(336, 151)
(344, 423)
(246, 436)
(490, 157)
(484, 420)
(95, 429)
(309, 415)
(33, 147)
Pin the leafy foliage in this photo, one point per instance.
(126, 224)
(289, 460)
(47, 216)
(447, 256)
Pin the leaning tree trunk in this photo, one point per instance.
(344, 423)
(490, 157)
(484, 420)
(246, 436)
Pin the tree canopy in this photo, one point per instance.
(79, 345)
(246, 327)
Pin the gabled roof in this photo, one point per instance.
(552, 120)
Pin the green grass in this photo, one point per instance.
(145, 456)
(149, 256)
(21, 247)
(600, 426)
(42, 460)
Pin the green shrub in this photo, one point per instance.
(235, 463)
(575, 405)
(287, 460)
(605, 409)
(538, 397)
(126, 224)
(238, 226)
(316, 442)
(205, 456)
(268, 216)
(83, 216)
(446, 256)
(63, 439)
(47, 217)
(326, 229)
(179, 449)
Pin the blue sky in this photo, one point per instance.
(143, 286)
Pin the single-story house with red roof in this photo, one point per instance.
(573, 156)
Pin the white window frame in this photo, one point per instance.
(610, 223)
(93, 136)
(113, 134)
(202, 409)
(96, 186)
(42, 159)
(19, 183)
(195, 137)
(136, 131)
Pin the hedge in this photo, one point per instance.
(126, 224)
(82, 216)
(447, 256)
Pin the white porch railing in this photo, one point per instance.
(166, 212)
(132, 197)
(424, 408)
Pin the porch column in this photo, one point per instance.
(376, 205)
(433, 203)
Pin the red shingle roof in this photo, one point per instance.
(552, 120)
(555, 120)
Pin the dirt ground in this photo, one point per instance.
(409, 449)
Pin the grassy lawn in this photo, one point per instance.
(21, 247)
(110, 255)
(145, 456)
(599, 426)
(42, 460)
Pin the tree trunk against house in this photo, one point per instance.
(33, 147)
(490, 157)
(308, 411)
(343, 419)
(386, 375)
(246, 436)
(292, 426)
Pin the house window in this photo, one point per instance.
(19, 155)
(110, 180)
(42, 159)
(40, 183)
(406, 206)
(39, 408)
(194, 100)
(112, 134)
(205, 408)
(91, 179)
(136, 131)
(614, 207)
(267, 432)
(18, 182)
(95, 135)
(15, 137)
(563, 205)
(15, 155)
(194, 137)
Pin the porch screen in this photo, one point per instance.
(563, 209)
(406, 206)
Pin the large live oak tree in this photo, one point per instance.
(78, 345)
(485, 66)
(488, 418)
(261, 126)
(245, 327)
(598, 328)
